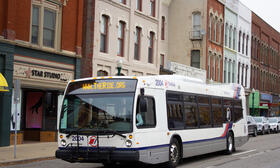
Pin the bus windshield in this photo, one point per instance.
(110, 111)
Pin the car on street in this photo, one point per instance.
(262, 125)
(273, 123)
(252, 126)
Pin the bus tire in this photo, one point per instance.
(230, 144)
(174, 153)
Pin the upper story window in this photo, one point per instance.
(123, 1)
(239, 41)
(196, 24)
(44, 25)
(137, 41)
(104, 34)
(243, 42)
(162, 60)
(121, 36)
(226, 34)
(195, 58)
(210, 26)
(162, 28)
(247, 41)
(230, 36)
(139, 5)
(151, 47)
(153, 7)
(234, 39)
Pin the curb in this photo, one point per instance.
(24, 161)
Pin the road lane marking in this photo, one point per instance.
(249, 156)
(244, 152)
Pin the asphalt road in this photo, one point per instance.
(260, 152)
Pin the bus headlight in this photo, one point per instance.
(63, 142)
(128, 143)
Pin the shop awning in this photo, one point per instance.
(3, 84)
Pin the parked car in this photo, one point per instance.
(263, 125)
(273, 123)
(252, 126)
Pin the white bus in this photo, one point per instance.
(149, 119)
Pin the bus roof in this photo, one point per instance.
(181, 83)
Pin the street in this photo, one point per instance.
(262, 151)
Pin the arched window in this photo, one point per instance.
(234, 39)
(243, 42)
(210, 26)
(226, 35)
(230, 37)
(102, 73)
(162, 28)
(239, 41)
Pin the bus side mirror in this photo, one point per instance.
(228, 114)
(143, 104)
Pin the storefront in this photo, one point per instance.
(254, 103)
(42, 85)
(43, 77)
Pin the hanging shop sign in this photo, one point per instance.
(42, 73)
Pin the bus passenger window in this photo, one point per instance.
(146, 119)
(175, 116)
(191, 117)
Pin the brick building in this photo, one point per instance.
(215, 40)
(265, 78)
(40, 44)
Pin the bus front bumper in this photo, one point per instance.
(96, 155)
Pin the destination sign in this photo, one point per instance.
(102, 86)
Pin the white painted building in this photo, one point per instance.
(237, 44)
(244, 40)
(132, 31)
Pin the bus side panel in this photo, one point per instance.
(193, 149)
(153, 143)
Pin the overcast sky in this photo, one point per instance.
(268, 10)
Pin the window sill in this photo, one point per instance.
(36, 47)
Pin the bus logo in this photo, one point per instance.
(93, 141)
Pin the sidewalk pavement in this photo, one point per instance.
(27, 153)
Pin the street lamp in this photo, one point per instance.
(253, 99)
(119, 66)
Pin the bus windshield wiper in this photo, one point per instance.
(111, 132)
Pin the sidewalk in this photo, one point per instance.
(27, 153)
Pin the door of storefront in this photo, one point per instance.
(40, 115)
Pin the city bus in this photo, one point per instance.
(149, 119)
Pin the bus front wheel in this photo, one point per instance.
(230, 143)
(174, 153)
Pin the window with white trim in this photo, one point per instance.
(104, 33)
(121, 36)
(44, 24)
